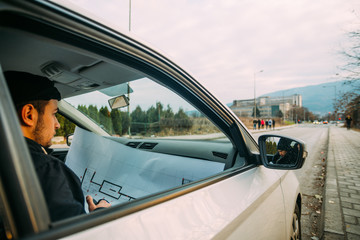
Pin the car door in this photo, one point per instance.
(243, 200)
(228, 204)
(228, 209)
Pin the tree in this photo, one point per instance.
(138, 120)
(348, 102)
(159, 109)
(138, 115)
(105, 120)
(93, 113)
(125, 122)
(167, 119)
(116, 121)
(66, 127)
(152, 115)
(182, 120)
(168, 113)
(83, 109)
(301, 113)
(352, 68)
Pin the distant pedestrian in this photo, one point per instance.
(262, 123)
(255, 123)
(273, 123)
(259, 122)
(267, 123)
(270, 123)
(348, 120)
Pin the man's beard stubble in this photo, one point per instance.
(39, 133)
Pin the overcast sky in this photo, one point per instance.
(223, 44)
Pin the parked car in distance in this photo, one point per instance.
(316, 122)
(173, 161)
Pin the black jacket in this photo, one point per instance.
(277, 159)
(60, 185)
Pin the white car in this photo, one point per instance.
(173, 161)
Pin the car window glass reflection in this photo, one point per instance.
(282, 150)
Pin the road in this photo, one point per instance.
(311, 175)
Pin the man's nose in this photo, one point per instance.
(57, 124)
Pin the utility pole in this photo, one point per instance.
(128, 93)
(254, 96)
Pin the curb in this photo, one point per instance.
(332, 208)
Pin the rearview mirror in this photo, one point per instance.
(118, 102)
(69, 139)
(279, 152)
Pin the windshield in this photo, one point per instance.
(153, 111)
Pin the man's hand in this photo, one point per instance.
(101, 204)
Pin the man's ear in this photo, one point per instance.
(29, 115)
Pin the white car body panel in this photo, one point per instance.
(291, 189)
(241, 205)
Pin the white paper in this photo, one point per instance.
(118, 173)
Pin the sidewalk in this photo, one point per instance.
(342, 187)
(251, 130)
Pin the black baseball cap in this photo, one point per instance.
(25, 87)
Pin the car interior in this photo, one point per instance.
(77, 71)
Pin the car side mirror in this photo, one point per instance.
(279, 152)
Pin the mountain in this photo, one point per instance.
(318, 99)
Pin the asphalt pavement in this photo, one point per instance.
(342, 186)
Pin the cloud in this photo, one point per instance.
(222, 43)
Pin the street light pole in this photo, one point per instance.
(283, 108)
(335, 110)
(255, 92)
(129, 15)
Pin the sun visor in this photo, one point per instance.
(108, 74)
(117, 90)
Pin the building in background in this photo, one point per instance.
(268, 106)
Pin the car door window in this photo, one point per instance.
(154, 112)
(158, 142)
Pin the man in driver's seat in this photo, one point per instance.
(36, 101)
(283, 154)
